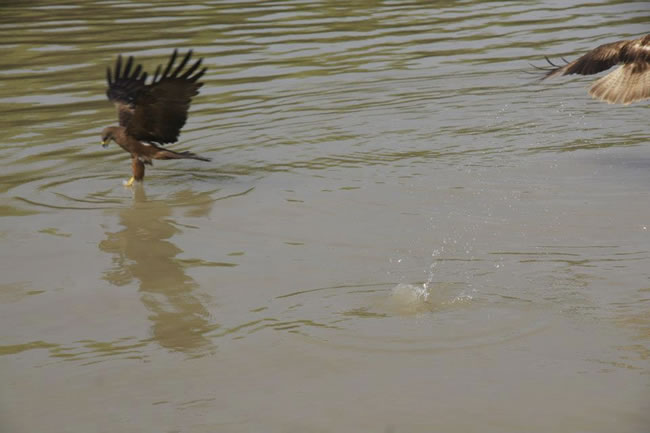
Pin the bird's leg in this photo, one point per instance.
(138, 171)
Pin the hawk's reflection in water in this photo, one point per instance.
(142, 251)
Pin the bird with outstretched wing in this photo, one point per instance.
(153, 114)
(628, 83)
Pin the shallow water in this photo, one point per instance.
(401, 229)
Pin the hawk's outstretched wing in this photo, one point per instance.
(628, 83)
(154, 112)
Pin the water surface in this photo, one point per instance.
(401, 229)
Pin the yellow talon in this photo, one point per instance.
(130, 181)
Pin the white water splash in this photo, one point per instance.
(408, 294)
(413, 298)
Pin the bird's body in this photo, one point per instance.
(628, 83)
(151, 114)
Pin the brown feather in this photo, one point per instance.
(170, 154)
(626, 84)
(161, 112)
(154, 112)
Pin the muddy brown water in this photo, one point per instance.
(400, 231)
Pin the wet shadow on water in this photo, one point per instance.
(142, 251)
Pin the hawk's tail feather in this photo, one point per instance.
(170, 154)
(190, 155)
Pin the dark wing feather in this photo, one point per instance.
(596, 60)
(160, 111)
(124, 88)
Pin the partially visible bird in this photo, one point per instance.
(151, 114)
(628, 83)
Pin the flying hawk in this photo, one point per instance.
(628, 83)
(151, 114)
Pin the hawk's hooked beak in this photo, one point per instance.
(104, 143)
